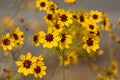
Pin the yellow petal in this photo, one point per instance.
(22, 57)
(29, 55)
(19, 63)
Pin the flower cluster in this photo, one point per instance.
(111, 71)
(31, 65)
(13, 39)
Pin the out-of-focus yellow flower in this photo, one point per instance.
(8, 22)
(96, 15)
(6, 42)
(70, 1)
(112, 69)
(69, 58)
(25, 64)
(36, 39)
(50, 39)
(17, 35)
(52, 8)
(42, 4)
(105, 22)
(101, 77)
(90, 44)
(65, 18)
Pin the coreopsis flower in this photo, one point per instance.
(101, 77)
(42, 4)
(90, 26)
(96, 15)
(64, 18)
(65, 41)
(39, 68)
(70, 1)
(36, 38)
(70, 57)
(105, 24)
(50, 18)
(82, 16)
(6, 42)
(50, 39)
(112, 69)
(17, 35)
(52, 8)
(91, 44)
(26, 63)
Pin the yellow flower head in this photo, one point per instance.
(65, 17)
(82, 16)
(50, 18)
(6, 42)
(90, 44)
(70, 57)
(36, 39)
(39, 68)
(96, 15)
(105, 22)
(65, 41)
(52, 8)
(91, 26)
(42, 4)
(17, 35)
(113, 68)
(26, 64)
(70, 1)
(50, 39)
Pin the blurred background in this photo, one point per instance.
(24, 12)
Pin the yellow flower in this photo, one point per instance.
(42, 4)
(65, 18)
(39, 70)
(36, 38)
(6, 42)
(65, 41)
(96, 15)
(105, 22)
(39, 67)
(52, 7)
(70, 1)
(82, 16)
(8, 22)
(17, 35)
(91, 26)
(112, 69)
(50, 19)
(50, 39)
(70, 57)
(26, 64)
(90, 44)
(101, 77)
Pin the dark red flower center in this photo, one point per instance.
(49, 37)
(81, 18)
(35, 38)
(15, 36)
(63, 18)
(95, 16)
(63, 38)
(42, 4)
(6, 41)
(91, 26)
(90, 42)
(27, 63)
(37, 69)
